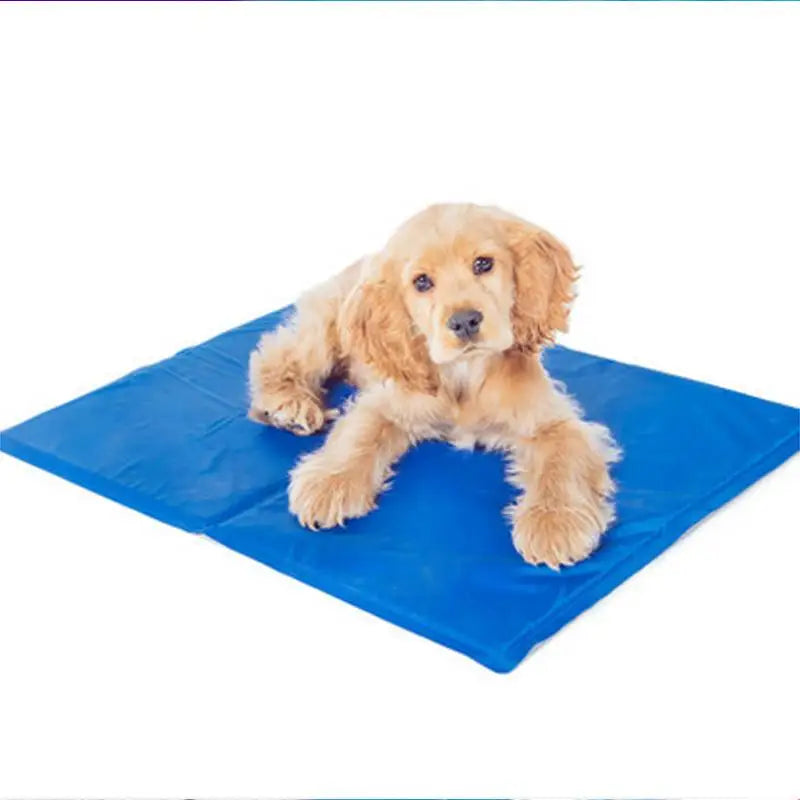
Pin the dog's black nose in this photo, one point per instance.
(465, 324)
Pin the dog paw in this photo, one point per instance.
(556, 537)
(298, 412)
(322, 497)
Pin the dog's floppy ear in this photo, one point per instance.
(376, 328)
(544, 277)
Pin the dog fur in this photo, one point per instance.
(418, 380)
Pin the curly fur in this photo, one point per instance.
(418, 380)
(375, 328)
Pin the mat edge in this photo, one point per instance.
(103, 487)
(682, 523)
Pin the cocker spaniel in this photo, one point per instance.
(441, 333)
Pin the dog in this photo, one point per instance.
(441, 332)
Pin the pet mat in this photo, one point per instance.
(172, 440)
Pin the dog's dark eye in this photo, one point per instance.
(422, 283)
(482, 264)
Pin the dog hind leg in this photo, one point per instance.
(290, 365)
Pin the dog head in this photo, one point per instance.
(454, 282)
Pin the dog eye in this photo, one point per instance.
(482, 264)
(422, 283)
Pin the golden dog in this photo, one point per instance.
(441, 332)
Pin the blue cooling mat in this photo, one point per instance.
(172, 440)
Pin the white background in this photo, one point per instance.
(167, 172)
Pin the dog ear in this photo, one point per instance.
(376, 328)
(544, 278)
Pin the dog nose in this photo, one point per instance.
(465, 324)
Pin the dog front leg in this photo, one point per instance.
(566, 502)
(342, 479)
